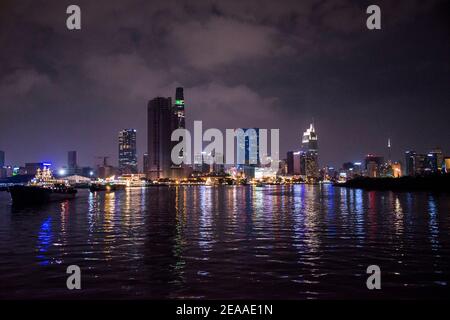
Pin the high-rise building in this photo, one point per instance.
(438, 159)
(311, 153)
(409, 163)
(373, 165)
(72, 162)
(248, 151)
(178, 122)
(127, 151)
(159, 129)
(145, 162)
(179, 108)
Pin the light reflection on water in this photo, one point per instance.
(294, 242)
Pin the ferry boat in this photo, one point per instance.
(43, 188)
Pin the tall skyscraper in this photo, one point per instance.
(72, 159)
(311, 152)
(145, 162)
(159, 129)
(178, 171)
(438, 155)
(127, 151)
(409, 163)
(179, 108)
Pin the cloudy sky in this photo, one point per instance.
(268, 64)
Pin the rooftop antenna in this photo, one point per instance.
(389, 150)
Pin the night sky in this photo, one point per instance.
(267, 64)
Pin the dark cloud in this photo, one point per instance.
(272, 64)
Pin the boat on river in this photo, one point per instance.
(43, 188)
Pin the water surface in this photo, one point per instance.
(276, 242)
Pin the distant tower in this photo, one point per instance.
(127, 151)
(310, 150)
(72, 162)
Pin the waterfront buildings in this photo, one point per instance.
(127, 151)
(417, 164)
(32, 168)
(373, 165)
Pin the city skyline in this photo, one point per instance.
(291, 62)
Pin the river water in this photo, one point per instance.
(230, 242)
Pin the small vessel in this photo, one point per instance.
(94, 187)
(43, 188)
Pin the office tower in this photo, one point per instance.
(178, 122)
(179, 108)
(248, 151)
(127, 151)
(310, 157)
(159, 129)
(72, 162)
(290, 163)
(420, 164)
(248, 147)
(373, 165)
(409, 163)
(145, 162)
(438, 156)
(431, 163)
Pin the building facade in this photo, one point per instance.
(310, 153)
(160, 122)
(127, 151)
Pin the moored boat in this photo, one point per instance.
(43, 188)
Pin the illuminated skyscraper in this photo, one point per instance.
(436, 160)
(179, 107)
(178, 122)
(311, 153)
(127, 151)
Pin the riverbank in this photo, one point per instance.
(439, 183)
